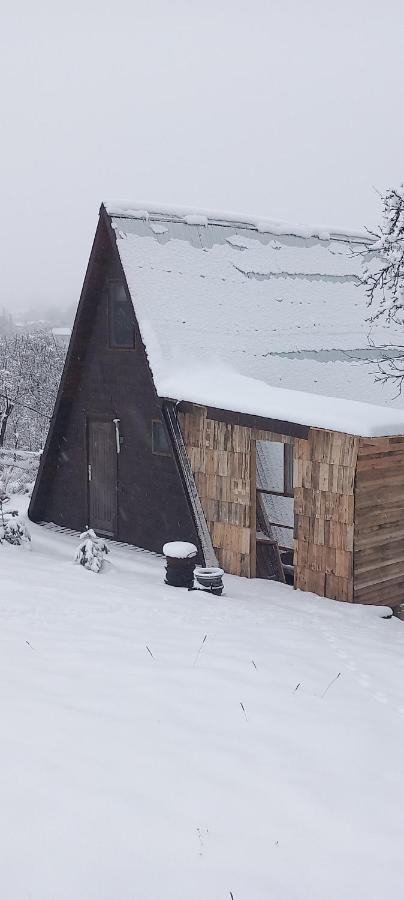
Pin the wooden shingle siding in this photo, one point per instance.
(348, 506)
(317, 504)
(222, 459)
(324, 479)
(379, 522)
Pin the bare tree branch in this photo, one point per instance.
(383, 279)
(30, 369)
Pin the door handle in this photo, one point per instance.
(89, 472)
(117, 435)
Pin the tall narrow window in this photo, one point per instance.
(160, 443)
(121, 319)
(288, 469)
(275, 504)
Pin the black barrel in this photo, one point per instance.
(180, 568)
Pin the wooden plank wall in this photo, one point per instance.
(324, 478)
(379, 522)
(222, 459)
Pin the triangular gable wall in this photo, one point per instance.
(103, 383)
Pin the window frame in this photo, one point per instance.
(113, 282)
(156, 452)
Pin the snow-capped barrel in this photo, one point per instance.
(180, 563)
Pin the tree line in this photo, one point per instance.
(30, 370)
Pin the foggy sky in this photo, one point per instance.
(290, 109)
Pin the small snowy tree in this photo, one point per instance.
(16, 532)
(383, 278)
(91, 551)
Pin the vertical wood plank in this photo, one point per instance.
(378, 557)
(253, 508)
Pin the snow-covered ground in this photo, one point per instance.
(139, 761)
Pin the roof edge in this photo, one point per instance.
(203, 217)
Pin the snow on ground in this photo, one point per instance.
(137, 761)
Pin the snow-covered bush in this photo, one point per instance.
(91, 551)
(15, 532)
(18, 471)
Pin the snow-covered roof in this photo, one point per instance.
(186, 215)
(267, 304)
(221, 387)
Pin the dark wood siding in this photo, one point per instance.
(100, 382)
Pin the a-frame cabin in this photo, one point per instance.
(167, 426)
(107, 460)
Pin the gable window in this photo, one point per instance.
(121, 320)
(160, 444)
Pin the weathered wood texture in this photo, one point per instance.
(222, 458)
(379, 522)
(324, 479)
(349, 506)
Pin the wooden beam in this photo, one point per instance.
(277, 426)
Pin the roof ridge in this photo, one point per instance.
(203, 217)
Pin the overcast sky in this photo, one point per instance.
(292, 109)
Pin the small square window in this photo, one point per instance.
(121, 318)
(160, 443)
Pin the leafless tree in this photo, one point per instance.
(30, 369)
(383, 278)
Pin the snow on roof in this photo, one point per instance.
(225, 389)
(285, 311)
(204, 217)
